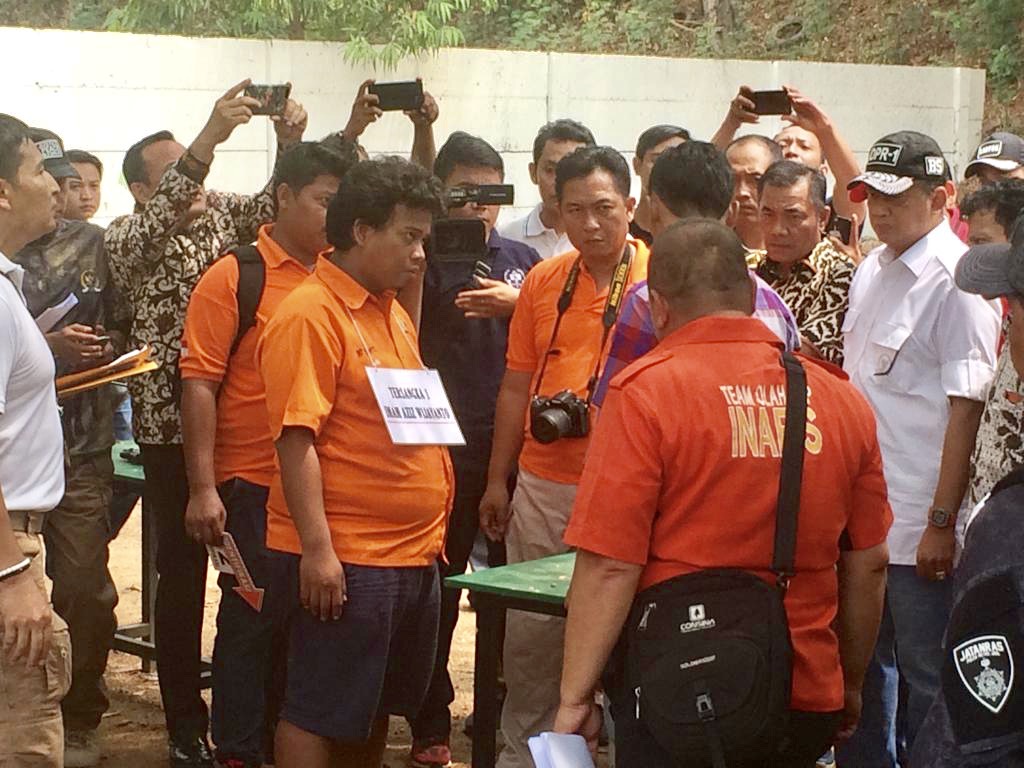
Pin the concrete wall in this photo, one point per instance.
(103, 91)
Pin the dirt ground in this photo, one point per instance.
(133, 729)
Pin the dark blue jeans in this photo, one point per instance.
(250, 652)
(909, 650)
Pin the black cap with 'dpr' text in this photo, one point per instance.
(896, 161)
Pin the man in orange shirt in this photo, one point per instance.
(229, 453)
(557, 344)
(359, 519)
(691, 434)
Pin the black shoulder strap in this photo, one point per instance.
(792, 470)
(251, 278)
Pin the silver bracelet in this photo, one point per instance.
(15, 569)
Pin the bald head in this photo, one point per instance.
(698, 267)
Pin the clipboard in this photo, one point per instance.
(130, 364)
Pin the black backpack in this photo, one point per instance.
(252, 274)
(708, 654)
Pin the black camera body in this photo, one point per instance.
(561, 415)
(481, 194)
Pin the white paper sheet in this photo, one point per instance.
(560, 750)
(48, 318)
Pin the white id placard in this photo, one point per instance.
(415, 407)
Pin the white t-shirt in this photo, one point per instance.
(531, 230)
(31, 440)
(912, 340)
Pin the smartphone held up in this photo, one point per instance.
(272, 98)
(405, 96)
(771, 102)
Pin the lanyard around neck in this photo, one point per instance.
(374, 362)
(616, 290)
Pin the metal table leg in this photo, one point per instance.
(490, 612)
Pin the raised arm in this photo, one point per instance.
(250, 212)
(138, 241)
(834, 149)
(424, 150)
(741, 110)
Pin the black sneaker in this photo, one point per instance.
(191, 752)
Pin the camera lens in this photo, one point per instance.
(549, 425)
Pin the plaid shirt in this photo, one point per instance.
(634, 331)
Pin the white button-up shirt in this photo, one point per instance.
(912, 340)
(531, 230)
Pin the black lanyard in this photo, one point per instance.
(616, 290)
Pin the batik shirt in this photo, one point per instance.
(999, 448)
(156, 262)
(817, 289)
(71, 261)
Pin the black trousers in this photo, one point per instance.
(435, 719)
(84, 595)
(180, 592)
(251, 649)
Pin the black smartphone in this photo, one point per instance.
(398, 96)
(272, 98)
(458, 240)
(771, 103)
(482, 194)
(103, 340)
(840, 226)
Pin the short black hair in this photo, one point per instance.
(302, 163)
(693, 179)
(702, 260)
(787, 173)
(1005, 198)
(372, 189)
(85, 158)
(583, 161)
(134, 167)
(764, 141)
(655, 135)
(469, 152)
(927, 186)
(562, 130)
(13, 135)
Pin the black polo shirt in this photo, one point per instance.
(470, 353)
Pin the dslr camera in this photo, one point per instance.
(482, 194)
(561, 415)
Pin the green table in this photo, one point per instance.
(537, 586)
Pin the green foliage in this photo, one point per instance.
(599, 26)
(378, 31)
(995, 29)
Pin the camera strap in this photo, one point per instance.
(788, 502)
(616, 290)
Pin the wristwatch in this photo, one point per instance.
(940, 518)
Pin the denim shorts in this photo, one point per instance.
(375, 660)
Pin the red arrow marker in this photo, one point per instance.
(246, 588)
